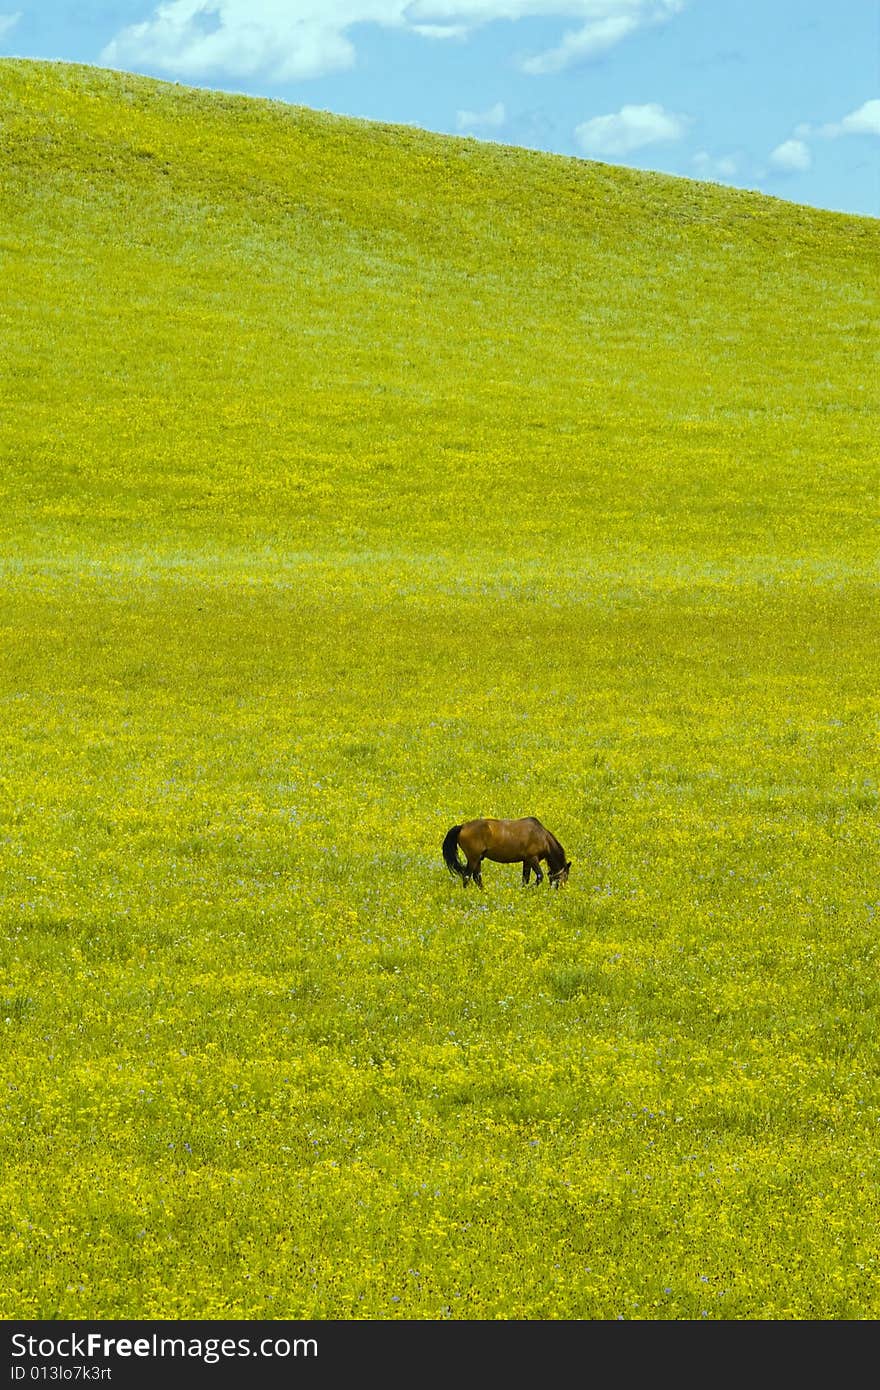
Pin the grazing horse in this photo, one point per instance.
(506, 842)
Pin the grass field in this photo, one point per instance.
(355, 482)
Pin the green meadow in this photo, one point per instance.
(355, 482)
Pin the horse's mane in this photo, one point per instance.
(556, 845)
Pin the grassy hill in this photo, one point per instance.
(355, 481)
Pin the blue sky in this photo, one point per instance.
(777, 95)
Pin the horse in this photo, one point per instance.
(505, 842)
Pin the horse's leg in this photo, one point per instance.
(472, 871)
(532, 865)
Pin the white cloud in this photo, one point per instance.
(864, 121)
(582, 44)
(198, 37)
(717, 168)
(492, 119)
(441, 31)
(607, 25)
(629, 129)
(791, 157)
(291, 39)
(8, 21)
(477, 12)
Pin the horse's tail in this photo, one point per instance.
(450, 853)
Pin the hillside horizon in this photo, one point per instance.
(431, 287)
(391, 126)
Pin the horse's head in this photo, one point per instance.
(561, 875)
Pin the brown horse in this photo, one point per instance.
(506, 842)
